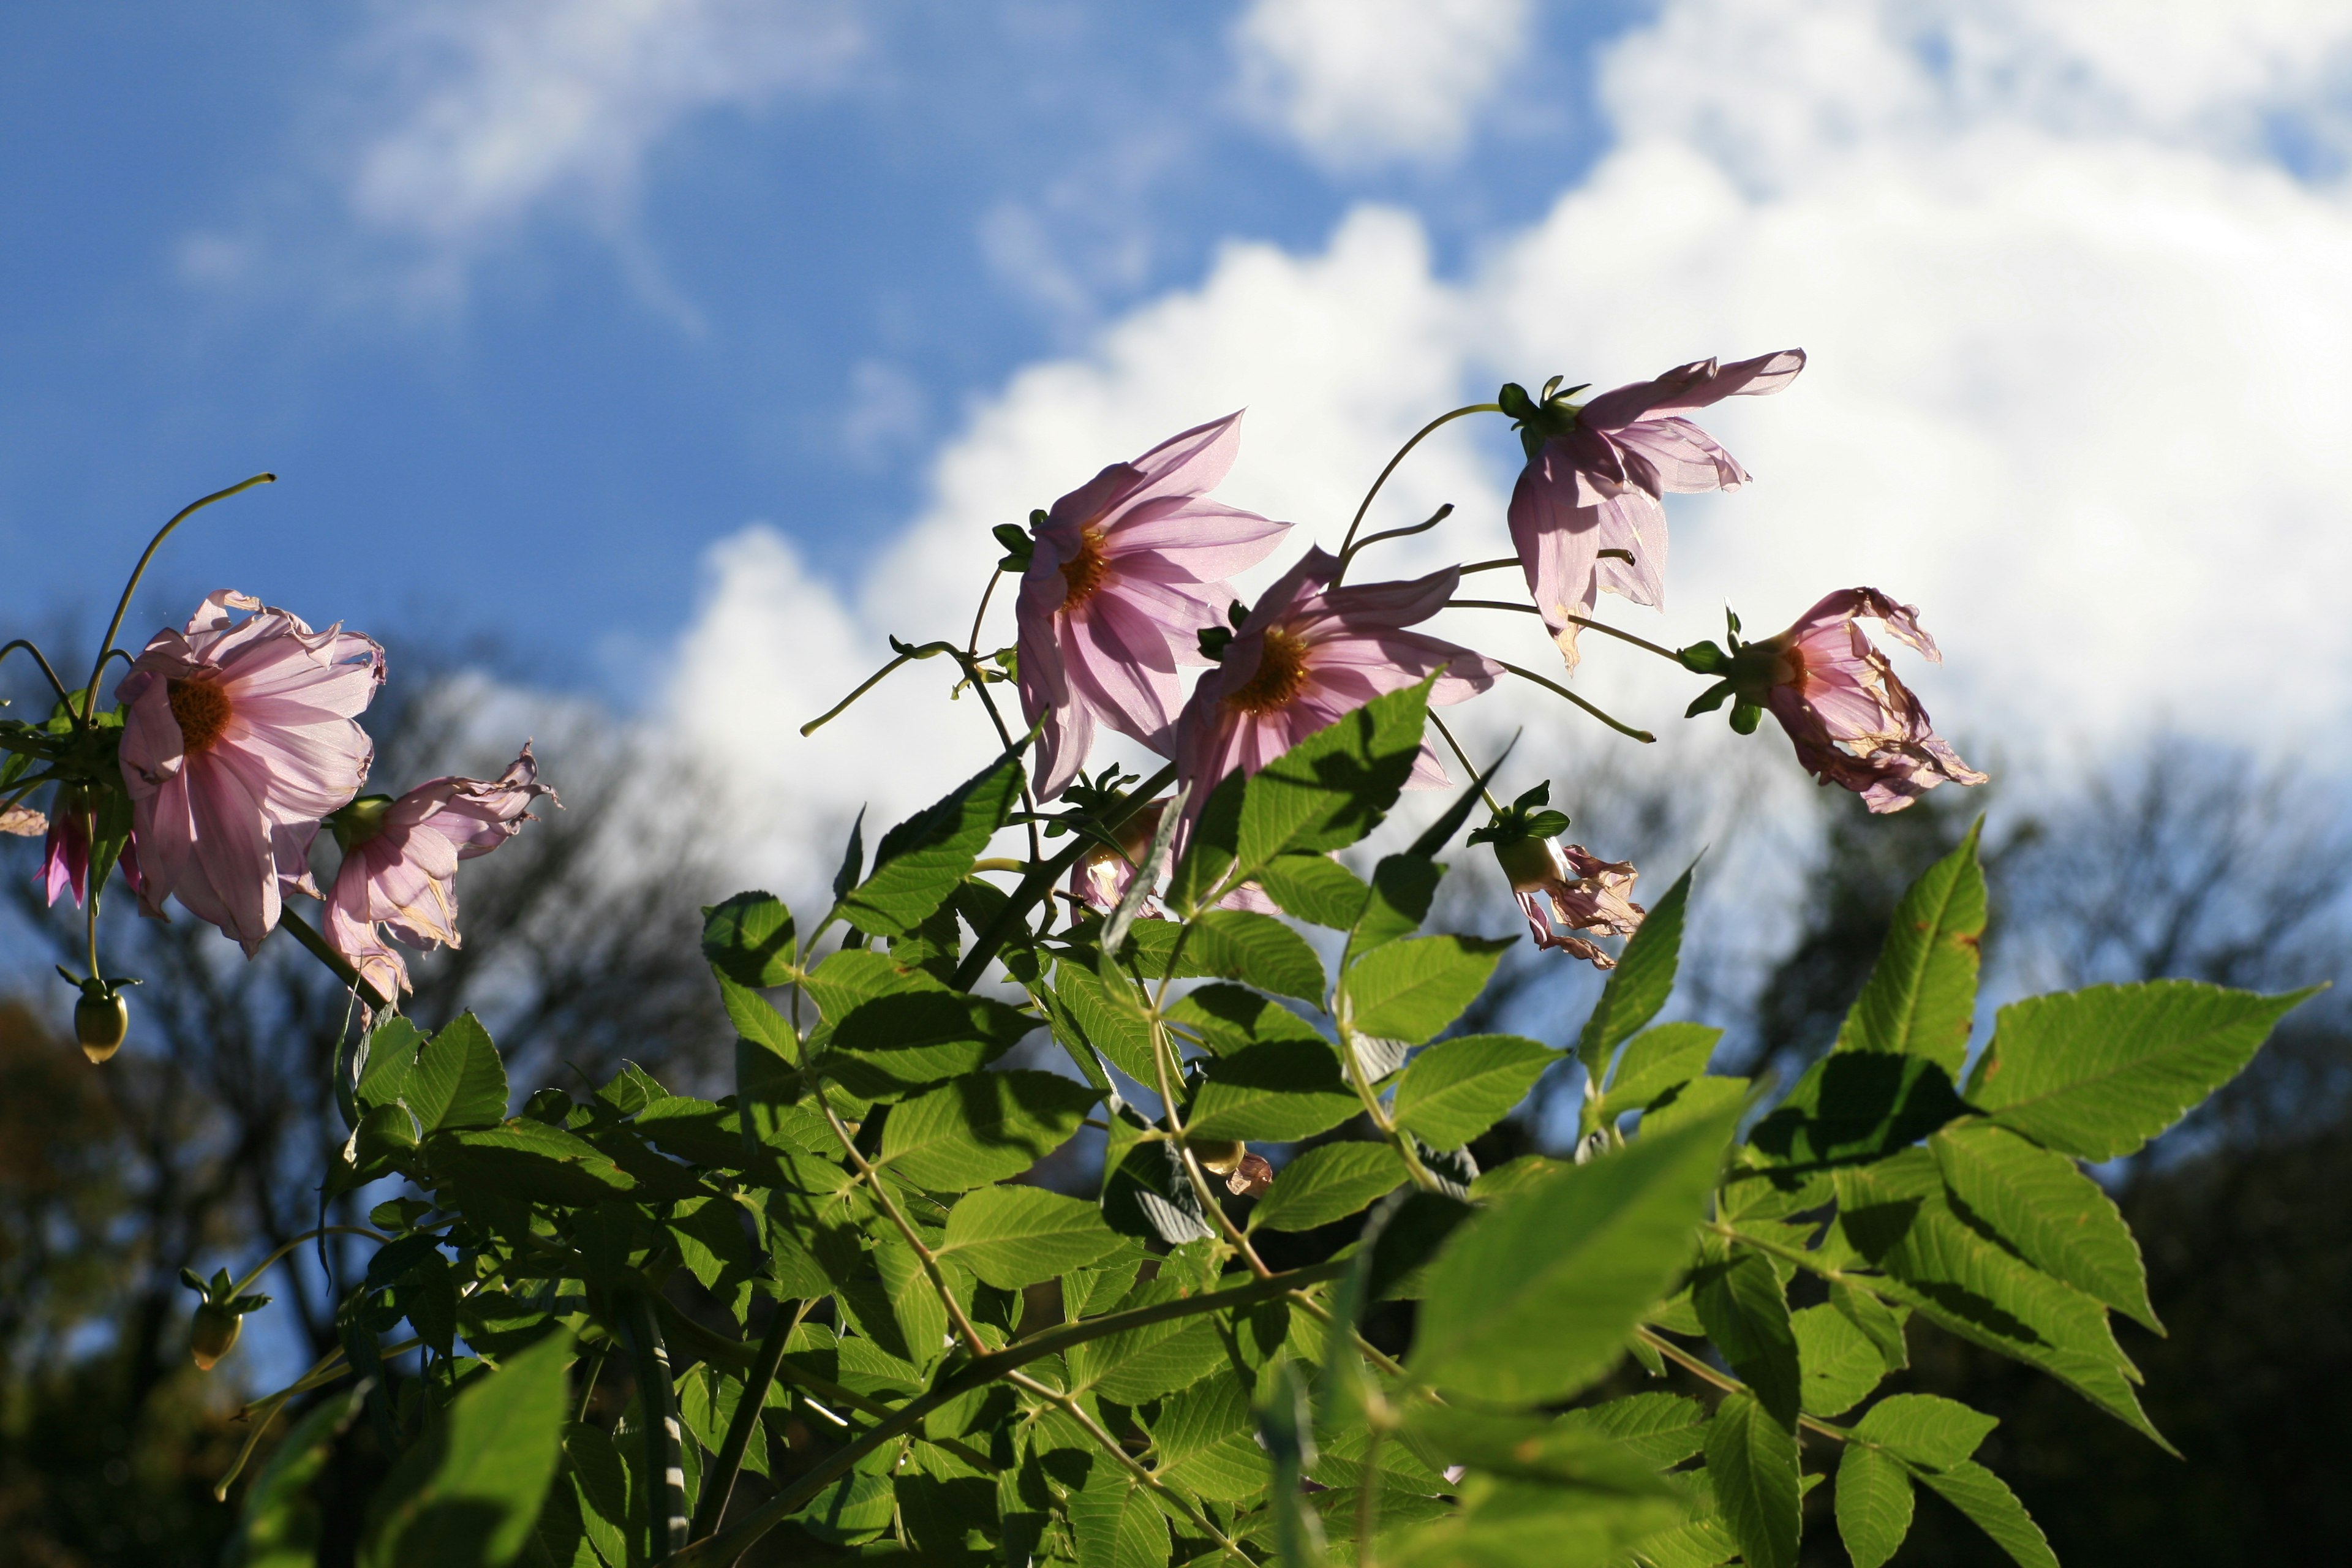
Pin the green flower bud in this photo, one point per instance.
(101, 1023)
(213, 1334)
(1526, 862)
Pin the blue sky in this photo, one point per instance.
(532, 422)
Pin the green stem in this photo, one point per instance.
(54, 684)
(1724, 1381)
(1347, 545)
(302, 931)
(658, 1407)
(1492, 804)
(263, 1266)
(1041, 880)
(719, 1483)
(720, 1550)
(114, 627)
(1559, 691)
(1084, 1421)
(964, 1331)
(871, 681)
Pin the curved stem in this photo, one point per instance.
(719, 1483)
(1492, 804)
(657, 1406)
(1495, 565)
(971, 645)
(258, 1269)
(1078, 1413)
(320, 949)
(1347, 545)
(114, 627)
(1559, 691)
(42, 659)
(1440, 515)
(964, 1331)
(1601, 626)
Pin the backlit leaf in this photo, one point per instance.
(1752, 1460)
(1641, 983)
(1275, 1092)
(1328, 1183)
(920, 862)
(983, 1127)
(1874, 1504)
(2041, 1203)
(1456, 1088)
(1411, 990)
(1922, 992)
(1012, 1236)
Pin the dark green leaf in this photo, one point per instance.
(1663, 1429)
(281, 1523)
(1841, 1363)
(1986, 1498)
(919, 863)
(1411, 990)
(2097, 1073)
(1457, 1089)
(1856, 1106)
(527, 1160)
(1533, 1448)
(1403, 888)
(2043, 1204)
(914, 1035)
(1534, 1299)
(1639, 985)
(1012, 1236)
(1229, 1018)
(1752, 1460)
(1531, 1524)
(456, 1078)
(983, 1127)
(1740, 1305)
(1874, 1504)
(757, 1022)
(1922, 992)
(1328, 1183)
(1277, 1092)
(749, 940)
(469, 1497)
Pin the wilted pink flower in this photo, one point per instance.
(238, 737)
(1583, 892)
(1595, 476)
(64, 855)
(1126, 572)
(23, 821)
(400, 864)
(1102, 875)
(1852, 722)
(1309, 653)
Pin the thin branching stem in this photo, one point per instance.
(1347, 545)
(122, 608)
(42, 659)
(1069, 1405)
(923, 1255)
(1557, 689)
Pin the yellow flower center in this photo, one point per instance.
(202, 710)
(1281, 671)
(1083, 574)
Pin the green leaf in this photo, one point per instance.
(392, 1047)
(913, 1033)
(1533, 1299)
(468, 1497)
(1922, 992)
(984, 1128)
(857, 1507)
(1841, 1363)
(1404, 886)
(1317, 888)
(1532, 1448)
(1663, 1429)
(1925, 1430)
(1457, 1089)
(1986, 1498)
(749, 940)
(281, 1523)
(1740, 1305)
(1752, 1460)
(1327, 1184)
(1143, 1363)
(2043, 1204)
(1896, 1214)
(1411, 990)
(919, 863)
(1333, 787)
(1877, 1322)
(600, 1483)
(1232, 945)
(1202, 1440)
(1277, 1092)
(1111, 1018)
(456, 1078)
(757, 1022)
(1530, 1524)
(1012, 1236)
(1696, 1100)
(527, 1160)
(1641, 983)
(1874, 1504)
(1229, 1018)
(2097, 1073)
(1115, 1523)
(1657, 1060)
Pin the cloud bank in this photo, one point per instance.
(2079, 341)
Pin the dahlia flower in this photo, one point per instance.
(1853, 723)
(1583, 892)
(400, 864)
(238, 736)
(1124, 573)
(1311, 653)
(1596, 473)
(64, 854)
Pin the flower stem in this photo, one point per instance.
(1600, 626)
(1492, 804)
(1557, 689)
(262, 1268)
(38, 658)
(1042, 878)
(114, 627)
(1346, 546)
(320, 949)
(718, 1484)
(657, 1405)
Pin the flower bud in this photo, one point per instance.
(213, 1334)
(1526, 862)
(101, 1023)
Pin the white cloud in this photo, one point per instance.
(2075, 389)
(1361, 82)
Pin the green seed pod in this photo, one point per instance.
(213, 1334)
(101, 1023)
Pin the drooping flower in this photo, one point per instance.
(1124, 571)
(1597, 473)
(1102, 875)
(64, 854)
(1311, 653)
(1852, 723)
(239, 735)
(1566, 885)
(400, 864)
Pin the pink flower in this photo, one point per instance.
(64, 856)
(1311, 653)
(1584, 892)
(1852, 723)
(238, 737)
(1102, 875)
(1596, 474)
(400, 864)
(1125, 571)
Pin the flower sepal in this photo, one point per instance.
(1541, 417)
(360, 822)
(1020, 545)
(220, 1314)
(1528, 818)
